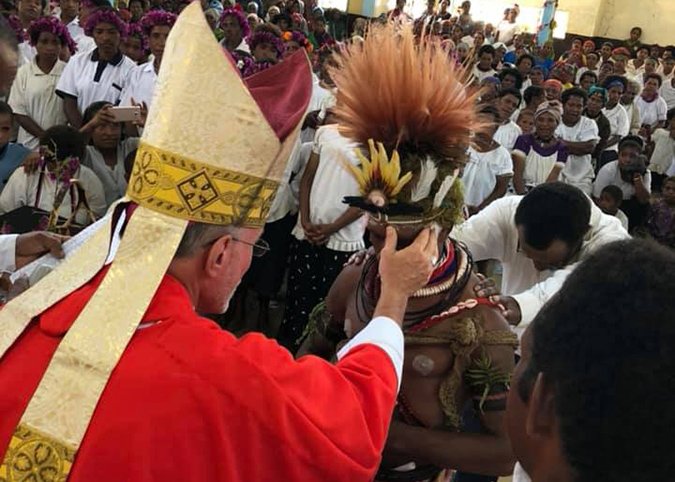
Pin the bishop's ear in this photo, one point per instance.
(218, 256)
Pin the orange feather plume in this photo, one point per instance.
(410, 96)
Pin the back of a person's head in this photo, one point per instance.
(5, 108)
(553, 211)
(63, 142)
(533, 91)
(613, 192)
(606, 345)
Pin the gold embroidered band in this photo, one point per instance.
(66, 397)
(34, 456)
(66, 278)
(188, 189)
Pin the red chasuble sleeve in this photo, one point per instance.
(190, 402)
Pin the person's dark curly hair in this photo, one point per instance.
(553, 211)
(574, 92)
(515, 73)
(606, 343)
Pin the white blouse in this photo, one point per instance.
(332, 182)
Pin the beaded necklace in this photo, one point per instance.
(450, 278)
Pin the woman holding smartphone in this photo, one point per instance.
(107, 149)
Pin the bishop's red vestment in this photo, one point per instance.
(190, 402)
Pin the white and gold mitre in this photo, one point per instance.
(212, 151)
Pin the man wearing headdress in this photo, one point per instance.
(106, 370)
(416, 127)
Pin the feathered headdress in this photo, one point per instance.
(411, 100)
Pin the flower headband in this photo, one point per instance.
(299, 38)
(105, 16)
(243, 24)
(53, 26)
(156, 18)
(15, 25)
(137, 30)
(266, 37)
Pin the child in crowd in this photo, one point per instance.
(610, 201)
(11, 154)
(661, 218)
(526, 121)
(135, 45)
(61, 148)
(662, 148)
(489, 169)
(107, 150)
(327, 232)
(630, 174)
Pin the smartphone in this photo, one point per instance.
(126, 114)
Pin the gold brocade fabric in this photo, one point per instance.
(203, 132)
(64, 279)
(33, 456)
(67, 395)
(187, 189)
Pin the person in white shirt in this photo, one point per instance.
(142, 79)
(666, 68)
(81, 202)
(506, 29)
(327, 232)
(539, 238)
(99, 75)
(28, 11)
(508, 131)
(106, 151)
(667, 90)
(33, 96)
(610, 201)
(616, 115)
(630, 174)
(662, 152)
(323, 95)
(580, 136)
(652, 108)
(483, 69)
(489, 169)
(628, 102)
(236, 30)
(68, 16)
(592, 60)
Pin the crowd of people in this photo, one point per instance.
(567, 152)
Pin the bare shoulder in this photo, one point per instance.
(342, 290)
(491, 317)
